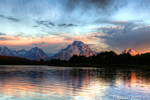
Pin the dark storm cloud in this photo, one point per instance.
(119, 27)
(10, 18)
(46, 23)
(134, 38)
(107, 6)
(66, 25)
(131, 35)
(142, 4)
(38, 44)
(2, 33)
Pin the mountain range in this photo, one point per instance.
(76, 48)
(33, 54)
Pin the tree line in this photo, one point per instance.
(107, 57)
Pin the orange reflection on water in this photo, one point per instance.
(137, 81)
(85, 87)
(127, 81)
(133, 79)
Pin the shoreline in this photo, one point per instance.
(122, 66)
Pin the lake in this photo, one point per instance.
(66, 83)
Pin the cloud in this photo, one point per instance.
(98, 47)
(2, 34)
(69, 25)
(13, 19)
(126, 35)
(38, 44)
(35, 26)
(2, 38)
(54, 12)
(66, 25)
(10, 18)
(107, 6)
(117, 27)
(119, 23)
(61, 25)
(46, 23)
(109, 29)
(24, 40)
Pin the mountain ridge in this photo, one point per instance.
(76, 48)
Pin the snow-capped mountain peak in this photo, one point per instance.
(130, 51)
(76, 48)
(36, 48)
(77, 43)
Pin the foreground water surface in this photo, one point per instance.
(66, 83)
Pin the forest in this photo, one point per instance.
(107, 57)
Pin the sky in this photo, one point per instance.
(53, 24)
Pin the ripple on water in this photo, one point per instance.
(60, 83)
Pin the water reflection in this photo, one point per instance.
(60, 83)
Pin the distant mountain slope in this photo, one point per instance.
(130, 51)
(6, 51)
(33, 54)
(19, 53)
(36, 54)
(76, 48)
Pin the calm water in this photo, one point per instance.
(62, 83)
